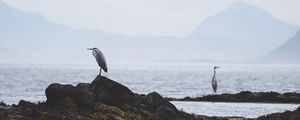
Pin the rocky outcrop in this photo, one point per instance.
(287, 115)
(105, 91)
(247, 96)
(110, 92)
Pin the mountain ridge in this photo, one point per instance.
(248, 25)
(30, 37)
(288, 52)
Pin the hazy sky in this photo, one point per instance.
(146, 17)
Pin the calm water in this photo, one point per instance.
(28, 82)
(249, 110)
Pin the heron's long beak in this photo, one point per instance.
(89, 48)
(217, 67)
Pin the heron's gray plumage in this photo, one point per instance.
(214, 81)
(99, 58)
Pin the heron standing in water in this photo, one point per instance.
(214, 81)
(99, 58)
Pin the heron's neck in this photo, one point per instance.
(94, 53)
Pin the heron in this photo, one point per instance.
(99, 58)
(214, 81)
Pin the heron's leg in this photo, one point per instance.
(100, 71)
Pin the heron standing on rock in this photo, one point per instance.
(99, 58)
(214, 81)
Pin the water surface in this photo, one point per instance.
(29, 82)
(249, 110)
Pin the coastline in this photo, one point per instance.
(246, 97)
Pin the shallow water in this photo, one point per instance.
(28, 82)
(249, 110)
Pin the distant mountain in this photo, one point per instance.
(31, 38)
(288, 52)
(235, 34)
(256, 30)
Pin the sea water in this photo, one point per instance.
(29, 82)
(249, 110)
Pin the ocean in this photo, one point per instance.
(28, 82)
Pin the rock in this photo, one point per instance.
(55, 93)
(165, 112)
(156, 100)
(27, 104)
(110, 92)
(3, 106)
(247, 96)
(287, 115)
(31, 109)
(85, 99)
(83, 86)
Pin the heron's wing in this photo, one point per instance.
(100, 59)
(214, 85)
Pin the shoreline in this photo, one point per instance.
(246, 97)
(237, 102)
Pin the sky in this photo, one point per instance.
(146, 17)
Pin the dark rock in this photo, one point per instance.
(83, 86)
(164, 112)
(287, 115)
(23, 103)
(247, 96)
(110, 92)
(156, 100)
(85, 99)
(55, 93)
(31, 109)
(2, 104)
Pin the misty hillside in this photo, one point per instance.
(31, 38)
(288, 52)
(248, 25)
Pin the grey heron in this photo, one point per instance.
(214, 81)
(99, 58)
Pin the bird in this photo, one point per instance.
(214, 81)
(99, 58)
